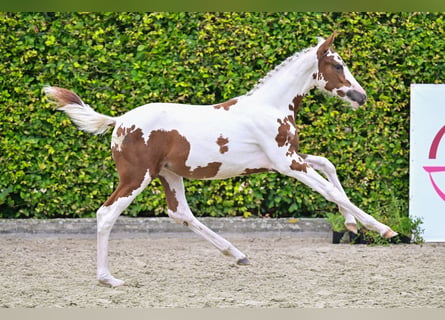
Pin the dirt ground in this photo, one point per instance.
(186, 271)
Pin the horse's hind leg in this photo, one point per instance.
(328, 169)
(179, 211)
(107, 216)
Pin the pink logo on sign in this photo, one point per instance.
(432, 155)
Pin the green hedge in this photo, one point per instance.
(118, 61)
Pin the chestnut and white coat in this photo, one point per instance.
(252, 133)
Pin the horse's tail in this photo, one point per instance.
(83, 116)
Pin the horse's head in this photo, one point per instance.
(334, 77)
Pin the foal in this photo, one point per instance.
(251, 133)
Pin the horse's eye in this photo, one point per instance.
(338, 67)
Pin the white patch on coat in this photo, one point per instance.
(116, 142)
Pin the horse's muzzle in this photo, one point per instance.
(356, 96)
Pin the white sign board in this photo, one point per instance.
(427, 159)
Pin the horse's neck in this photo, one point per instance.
(294, 77)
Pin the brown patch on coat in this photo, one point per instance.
(226, 105)
(341, 93)
(170, 195)
(130, 163)
(288, 138)
(123, 131)
(248, 171)
(135, 157)
(207, 172)
(283, 132)
(295, 105)
(334, 78)
(222, 142)
(327, 67)
(297, 166)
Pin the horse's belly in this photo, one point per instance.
(213, 166)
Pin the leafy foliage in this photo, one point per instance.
(118, 61)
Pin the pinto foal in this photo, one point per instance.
(248, 134)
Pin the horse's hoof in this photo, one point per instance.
(389, 234)
(243, 262)
(113, 282)
(351, 227)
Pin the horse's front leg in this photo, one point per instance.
(327, 168)
(293, 165)
(178, 210)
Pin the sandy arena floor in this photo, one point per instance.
(189, 272)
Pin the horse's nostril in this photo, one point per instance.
(356, 96)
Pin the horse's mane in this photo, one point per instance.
(279, 67)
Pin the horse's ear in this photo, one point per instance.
(324, 47)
